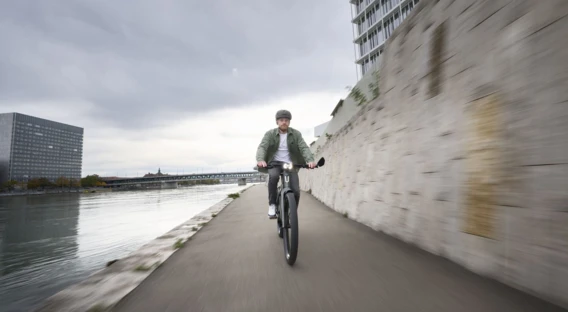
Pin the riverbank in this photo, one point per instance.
(105, 288)
(58, 191)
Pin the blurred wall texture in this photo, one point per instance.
(465, 152)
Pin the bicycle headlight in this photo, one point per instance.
(288, 166)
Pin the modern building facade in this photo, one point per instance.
(373, 23)
(32, 147)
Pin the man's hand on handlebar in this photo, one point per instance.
(312, 165)
(262, 164)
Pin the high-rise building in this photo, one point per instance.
(373, 23)
(32, 147)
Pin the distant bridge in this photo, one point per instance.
(251, 175)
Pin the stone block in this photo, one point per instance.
(482, 254)
(547, 142)
(514, 226)
(548, 187)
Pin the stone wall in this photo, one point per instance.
(347, 110)
(465, 152)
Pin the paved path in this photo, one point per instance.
(236, 263)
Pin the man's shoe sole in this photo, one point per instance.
(271, 217)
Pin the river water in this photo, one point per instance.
(49, 242)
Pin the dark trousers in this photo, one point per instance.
(274, 176)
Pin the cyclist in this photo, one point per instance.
(282, 145)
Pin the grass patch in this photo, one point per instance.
(194, 229)
(234, 195)
(213, 215)
(346, 215)
(165, 237)
(202, 223)
(142, 268)
(178, 244)
(97, 308)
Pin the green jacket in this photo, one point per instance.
(299, 151)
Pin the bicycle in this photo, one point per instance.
(287, 221)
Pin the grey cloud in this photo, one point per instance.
(144, 63)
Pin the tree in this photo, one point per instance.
(44, 182)
(62, 182)
(75, 183)
(92, 181)
(9, 185)
(33, 184)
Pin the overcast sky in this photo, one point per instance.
(181, 84)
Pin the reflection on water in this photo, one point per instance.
(49, 242)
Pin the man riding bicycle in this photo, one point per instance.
(282, 145)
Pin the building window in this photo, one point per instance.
(396, 19)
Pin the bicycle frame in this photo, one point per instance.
(283, 189)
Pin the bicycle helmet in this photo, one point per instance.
(283, 114)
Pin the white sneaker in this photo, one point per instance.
(272, 211)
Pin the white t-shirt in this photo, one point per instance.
(282, 154)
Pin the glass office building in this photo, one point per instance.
(373, 23)
(32, 147)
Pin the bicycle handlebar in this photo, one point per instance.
(320, 163)
(295, 165)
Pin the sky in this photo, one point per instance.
(181, 85)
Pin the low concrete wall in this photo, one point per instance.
(104, 289)
(465, 152)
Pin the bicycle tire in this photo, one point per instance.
(291, 232)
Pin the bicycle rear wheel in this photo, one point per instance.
(290, 229)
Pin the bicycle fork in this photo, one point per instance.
(283, 191)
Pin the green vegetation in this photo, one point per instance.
(358, 95)
(213, 215)
(234, 195)
(179, 244)
(97, 308)
(200, 182)
(346, 215)
(373, 86)
(142, 268)
(40, 183)
(166, 236)
(92, 181)
(8, 185)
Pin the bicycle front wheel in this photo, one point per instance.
(290, 229)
